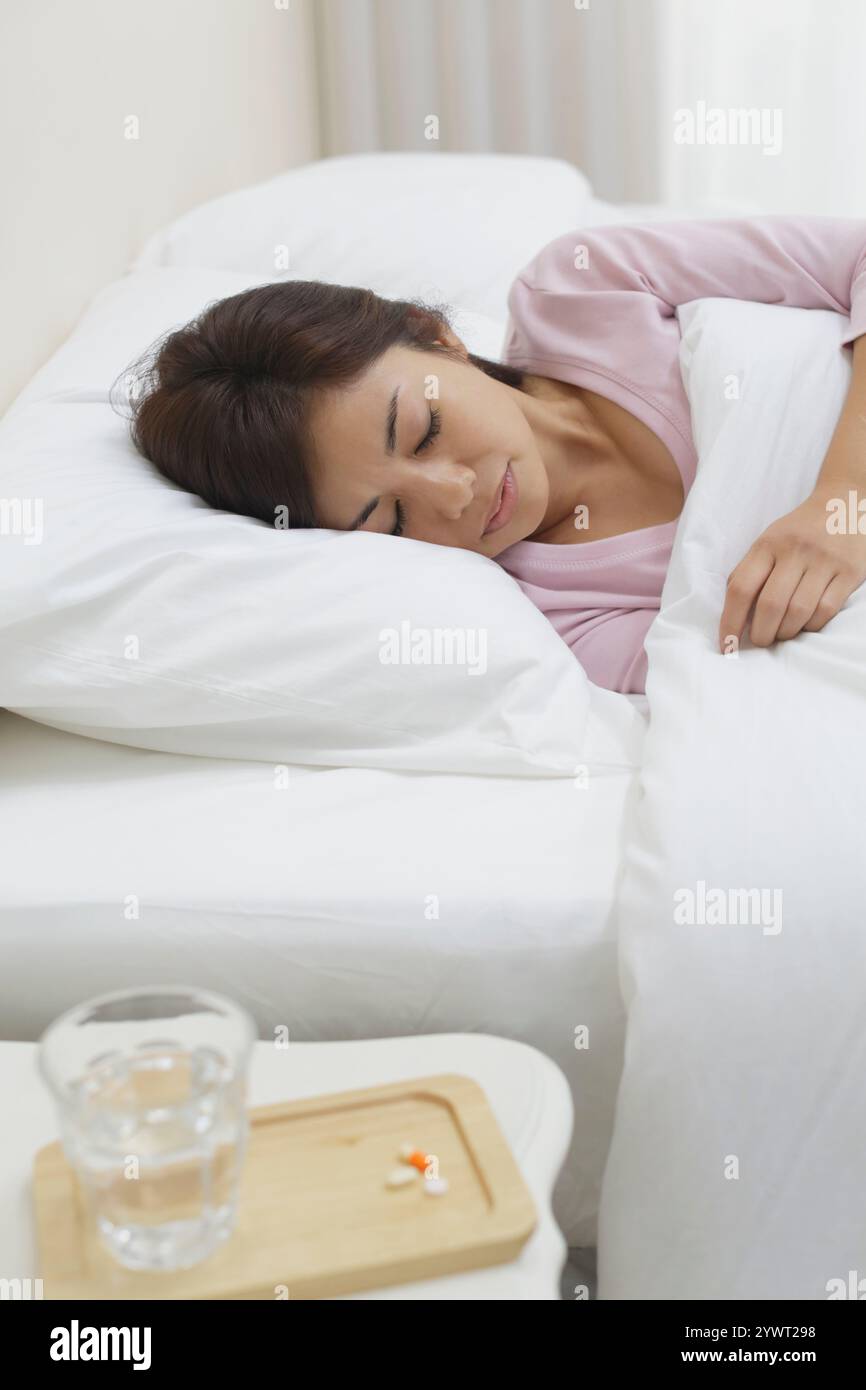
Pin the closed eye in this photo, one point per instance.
(401, 519)
(435, 424)
(435, 427)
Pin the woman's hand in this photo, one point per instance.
(798, 574)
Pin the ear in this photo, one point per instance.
(448, 338)
(443, 334)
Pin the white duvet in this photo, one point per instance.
(738, 1163)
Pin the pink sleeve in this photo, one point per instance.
(607, 295)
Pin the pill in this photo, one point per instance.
(398, 1177)
(405, 1150)
(436, 1187)
(417, 1159)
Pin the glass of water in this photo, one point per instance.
(150, 1086)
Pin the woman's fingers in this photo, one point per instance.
(784, 599)
(794, 579)
(744, 585)
(832, 599)
(804, 601)
(773, 600)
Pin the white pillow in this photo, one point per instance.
(145, 617)
(456, 227)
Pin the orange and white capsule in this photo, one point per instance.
(399, 1177)
(409, 1154)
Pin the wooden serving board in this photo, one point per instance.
(315, 1218)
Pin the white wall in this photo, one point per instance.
(224, 94)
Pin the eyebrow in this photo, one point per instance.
(390, 446)
(364, 513)
(391, 423)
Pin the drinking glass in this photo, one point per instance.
(150, 1086)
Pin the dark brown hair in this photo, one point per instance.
(221, 405)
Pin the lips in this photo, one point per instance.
(504, 503)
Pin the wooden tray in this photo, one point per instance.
(315, 1219)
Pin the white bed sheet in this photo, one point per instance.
(736, 1167)
(313, 903)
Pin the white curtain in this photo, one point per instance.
(806, 60)
(600, 86)
(512, 76)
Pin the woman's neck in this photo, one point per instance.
(577, 451)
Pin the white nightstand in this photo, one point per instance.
(528, 1094)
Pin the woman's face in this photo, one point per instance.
(431, 448)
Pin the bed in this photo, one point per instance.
(397, 895)
(342, 903)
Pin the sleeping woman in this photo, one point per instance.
(568, 462)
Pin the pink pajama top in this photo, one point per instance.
(610, 327)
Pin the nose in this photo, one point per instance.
(449, 488)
